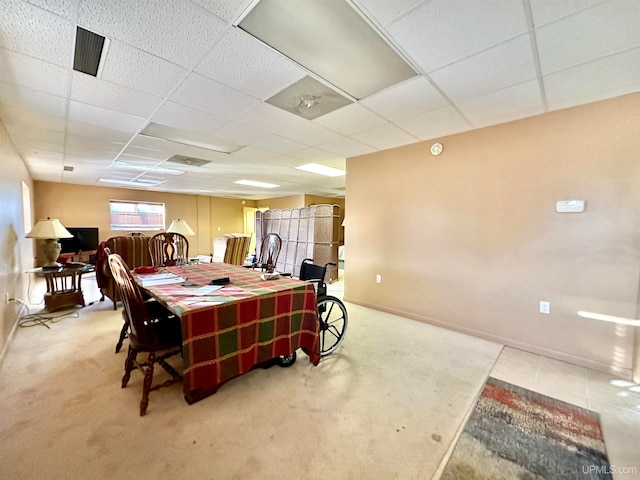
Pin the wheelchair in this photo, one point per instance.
(332, 314)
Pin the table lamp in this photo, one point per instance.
(181, 227)
(49, 230)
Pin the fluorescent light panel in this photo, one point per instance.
(137, 183)
(321, 170)
(330, 39)
(185, 137)
(251, 183)
(143, 168)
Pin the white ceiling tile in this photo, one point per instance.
(351, 119)
(524, 97)
(64, 8)
(546, 11)
(33, 73)
(240, 61)
(178, 31)
(253, 153)
(210, 96)
(347, 147)
(15, 96)
(605, 29)
(316, 155)
(437, 123)
(386, 136)
(443, 31)
(279, 122)
(24, 116)
(36, 32)
(244, 134)
(228, 10)
(100, 93)
(592, 81)
(103, 117)
(494, 69)
(385, 11)
(406, 99)
(187, 118)
(139, 70)
(35, 132)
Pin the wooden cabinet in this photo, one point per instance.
(309, 232)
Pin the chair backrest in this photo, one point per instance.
(132, 302)
(270, 250)
(311, 272)
(166, 249)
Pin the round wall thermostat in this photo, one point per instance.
(436, 149)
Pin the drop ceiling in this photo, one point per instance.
(183, 64)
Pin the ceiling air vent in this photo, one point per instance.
(67, 168)
(194, 162)
(89, 47)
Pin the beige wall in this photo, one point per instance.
(16, 251)
(293, 201)
(470, 239)
(87, 206)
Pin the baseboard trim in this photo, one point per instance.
(625, 373)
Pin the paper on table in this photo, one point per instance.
(206, 290)
(161, 279)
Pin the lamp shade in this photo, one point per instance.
(181, 227)
(49, 228)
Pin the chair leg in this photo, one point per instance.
(123, 335)
(129, 364)
(146, 387)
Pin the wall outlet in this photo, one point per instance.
(544, 306)
(378, 278)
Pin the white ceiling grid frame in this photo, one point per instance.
(139, 70)
(190, 28)
(240, 62)
(605, 29)
(29, 30)
(495, 68)
(457, 29)
(589, 49)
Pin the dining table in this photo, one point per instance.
(246, 319)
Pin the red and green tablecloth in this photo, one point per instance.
(243, 324)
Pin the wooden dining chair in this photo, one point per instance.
(269, 252)
(167, 249)
(153, 330)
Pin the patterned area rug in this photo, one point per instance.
(514, 433)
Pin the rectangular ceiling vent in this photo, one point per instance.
(68, 168)
(89, 48)
(194, 162)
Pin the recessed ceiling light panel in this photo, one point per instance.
(330, 39)
(321, 170)
(187, 137)
(251, 183)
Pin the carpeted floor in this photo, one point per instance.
(386, 405)
(514, 433)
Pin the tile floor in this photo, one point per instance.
(616, 400)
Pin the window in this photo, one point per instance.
(136, 215)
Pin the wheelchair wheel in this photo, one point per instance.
(332, 315)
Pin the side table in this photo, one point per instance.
(64, 287)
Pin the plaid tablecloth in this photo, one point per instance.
(248, 322)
